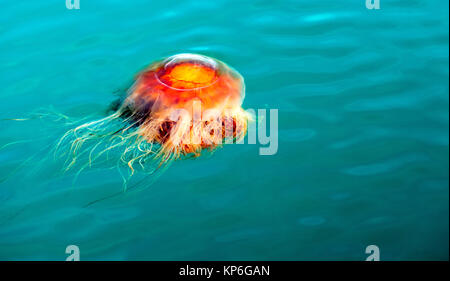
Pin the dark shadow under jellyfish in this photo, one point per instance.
(177, 107)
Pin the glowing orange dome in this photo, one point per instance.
(181, 79)
(187, 81)
(187, 75)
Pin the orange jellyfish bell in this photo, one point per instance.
(187, 103)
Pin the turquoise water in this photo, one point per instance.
(362, 99)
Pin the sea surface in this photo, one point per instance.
(363, 131)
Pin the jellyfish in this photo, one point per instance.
(176, 108)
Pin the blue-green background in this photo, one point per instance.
(363, 152)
